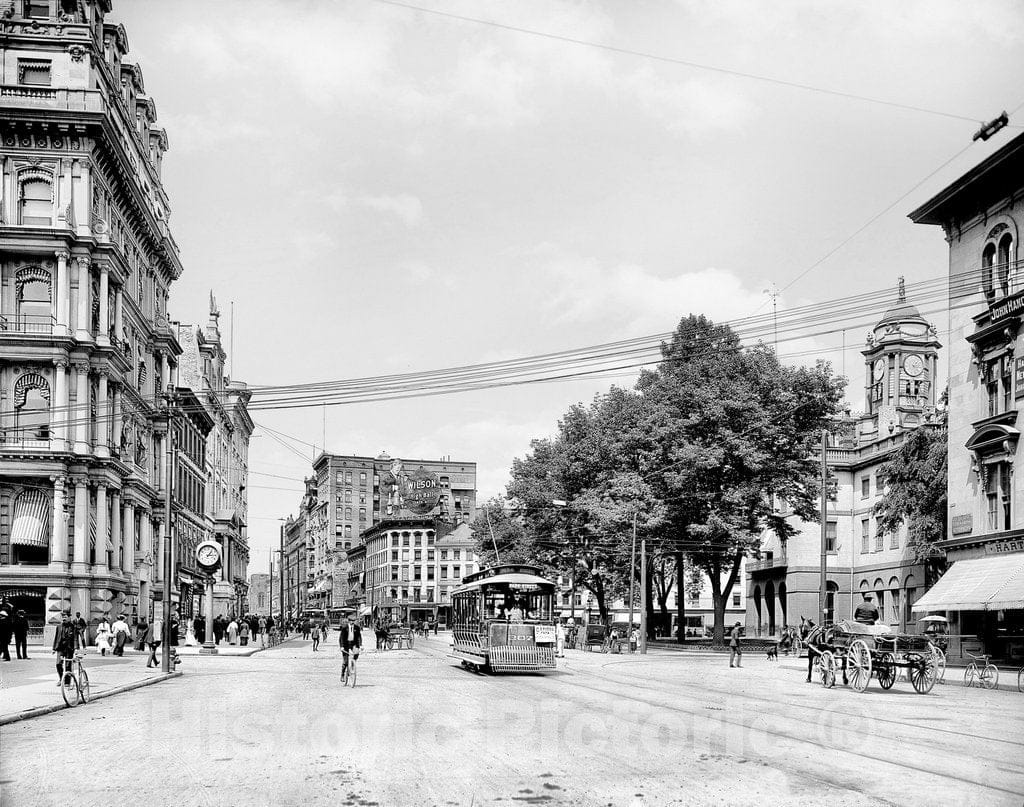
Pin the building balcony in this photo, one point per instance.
(770, 561)
(51, 98)
(38, 324)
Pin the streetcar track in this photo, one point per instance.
(734, 694)
(808, 740)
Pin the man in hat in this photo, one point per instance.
(866, 613)
(735, 650)
(6, 627)
(20, 625)
(64, 641)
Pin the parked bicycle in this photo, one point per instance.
(982, 671)
(1020, 680)
(74, 683)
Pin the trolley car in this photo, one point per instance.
(503, 620)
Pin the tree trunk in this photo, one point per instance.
(721, 594)
(649, 599)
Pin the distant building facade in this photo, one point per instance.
(258, 594)
(982, 592)
(783, 584)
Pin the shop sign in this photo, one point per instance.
(963, 525)
(1004, 547)
(1018, 378)
(1006, 309)
(545, 634)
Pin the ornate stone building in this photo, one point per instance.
(783, 584)
(86, 261)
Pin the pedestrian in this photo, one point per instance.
(141, 629)
(262, 627)
(199, 629)
(6, 630)
(121, 633)
(20, 626)
(735, 649)
(350, 641)
(316, 636)
(103, 634)
(560, 639)
(232, 631)
(243, 633)
(152, 639)
(65, 642)
(435, 626)
(218, 628)
(175, 629)
(82, 637)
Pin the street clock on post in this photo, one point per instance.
(208, 556)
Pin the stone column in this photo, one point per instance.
(62, 293)
(116, 417)
(103, 336)
(157, 548)
(102, 514)
(81, 412)
(115, 529)
(82, 323)
(102, 417)
(165, 371)
(61, 402)
(81, 524)
(128, 537)
(59, 531)
(119, 313)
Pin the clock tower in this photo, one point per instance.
(900, 362)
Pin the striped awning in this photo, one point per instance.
(978, 584)
(31, 519)
(94, 530)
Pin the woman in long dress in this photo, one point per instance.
(232, 631)
(103, 636)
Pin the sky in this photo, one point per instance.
(373, 189)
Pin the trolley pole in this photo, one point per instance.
(823, 583)
(632, 582)
(168, 529)
(643, 596)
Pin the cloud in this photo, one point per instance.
(406, 207)
(196, 132)
(629, 299)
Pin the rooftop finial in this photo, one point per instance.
(214, 311)
(901, 291)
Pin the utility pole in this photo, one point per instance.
(643, 596)
(822, 597)
(280, 569)
(632, 581)
(172, 463)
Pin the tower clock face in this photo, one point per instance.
(913, 365)
(879, 370)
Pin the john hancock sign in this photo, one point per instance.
(422, 491)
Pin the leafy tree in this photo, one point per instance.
(915, 494)
(731, 427)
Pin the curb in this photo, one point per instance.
(56, 707)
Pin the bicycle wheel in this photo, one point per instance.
(69, 689)
(989, 677)
(352, 674)
(83, 685)
(970, 674)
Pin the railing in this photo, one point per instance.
(52, 98)
(773, 562)
(35, 437)
(29, 323)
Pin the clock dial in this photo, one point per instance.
(913, 365)
(208, 555)
(879, 369)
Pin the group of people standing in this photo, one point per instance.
(13, 623)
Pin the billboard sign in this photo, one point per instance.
(421, 491)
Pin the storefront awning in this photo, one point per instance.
(978, 584)
(31, 519)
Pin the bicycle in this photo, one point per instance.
(1020, 680)
(348, 674)
(74, 682)
(987, 676)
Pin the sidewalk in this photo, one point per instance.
(29, 688)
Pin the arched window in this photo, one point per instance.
(1006, 264)
(36, 203)
(32, 407)
(988, 260)
(831, 589)
(34, 299)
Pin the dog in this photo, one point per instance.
(773, 653)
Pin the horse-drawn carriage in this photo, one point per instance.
(857, 651)
(398, 635)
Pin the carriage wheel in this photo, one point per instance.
(858, 665)
(924, 672)
(885, 670)
(827, 665)
(940, 663)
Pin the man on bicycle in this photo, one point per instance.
(64, 642)
(351, 639)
